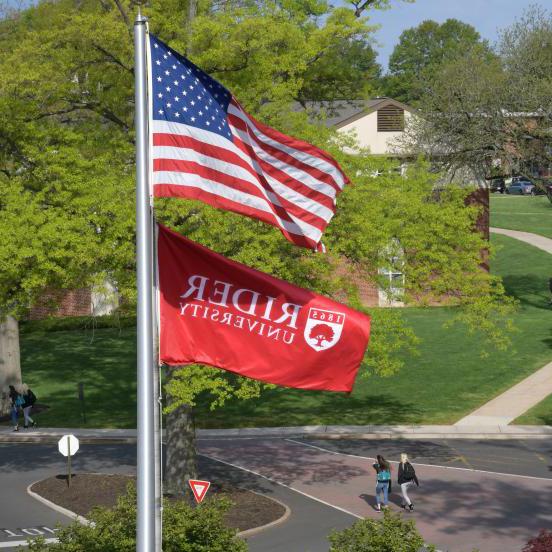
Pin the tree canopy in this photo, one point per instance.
(67, 165)
(492, 116)
(422, 50)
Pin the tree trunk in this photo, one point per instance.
(181, 455)
(10, 367)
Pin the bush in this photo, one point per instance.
(71, 323)
(541, 543)
(185, 529)
(390, 534)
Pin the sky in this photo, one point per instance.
(487, 16)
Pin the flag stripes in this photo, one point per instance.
(206, 147)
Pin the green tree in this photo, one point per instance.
(422, 50)
(484, 117)
(67, 175)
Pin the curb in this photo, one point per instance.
(54, 506)
(279, 521)
(117, 436)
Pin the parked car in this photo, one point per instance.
(497, 185)
(521, 186)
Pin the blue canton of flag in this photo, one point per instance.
(183, 93)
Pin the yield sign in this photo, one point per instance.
(199, 488)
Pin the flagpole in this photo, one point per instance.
(145, 484)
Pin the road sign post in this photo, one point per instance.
(68, 461)
(68, 445)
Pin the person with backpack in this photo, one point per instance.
(407, 478)
(29, 398)
(383, 481)
(16, 404)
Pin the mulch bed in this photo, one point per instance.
(249, 510)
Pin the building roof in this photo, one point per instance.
(341, 112)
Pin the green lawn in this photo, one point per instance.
(527, 213)
(538, 415)
(447, 380)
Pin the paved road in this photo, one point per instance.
(457, 509)
(458, 506)
(22, 464)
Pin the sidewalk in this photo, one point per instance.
(528, 237)
(481, 431)
(514, 402)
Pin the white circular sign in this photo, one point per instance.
(68, 443)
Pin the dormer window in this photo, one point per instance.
(390, 119)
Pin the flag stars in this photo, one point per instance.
(157, 62)
(159, 79)
(177, 114)
(169, 105)
(176, 99)
(167, 72)
(164, 56)
(159, 95)
(174, 66)
(160, 112)
(175, 83)
(168, 88)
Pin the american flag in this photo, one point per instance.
(206, 147)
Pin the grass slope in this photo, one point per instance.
(447, 380)
(538, 415)
(526, 213)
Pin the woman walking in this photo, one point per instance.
(16, 402)
(29, 398)
(407, 478)
(383, 481)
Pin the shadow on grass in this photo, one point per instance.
(104, 361)
(530, 290)
(291, 407)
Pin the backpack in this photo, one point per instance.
(31, 397)
(408, 471)
(384, 475)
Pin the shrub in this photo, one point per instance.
(72, 323)
(186, 528)
(541, 543)
(390, 534)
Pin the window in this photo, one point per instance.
(392, 280)
(390, 119)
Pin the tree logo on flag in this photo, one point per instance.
(323, 328)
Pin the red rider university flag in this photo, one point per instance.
(222, 313)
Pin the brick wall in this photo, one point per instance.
(75, 302)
